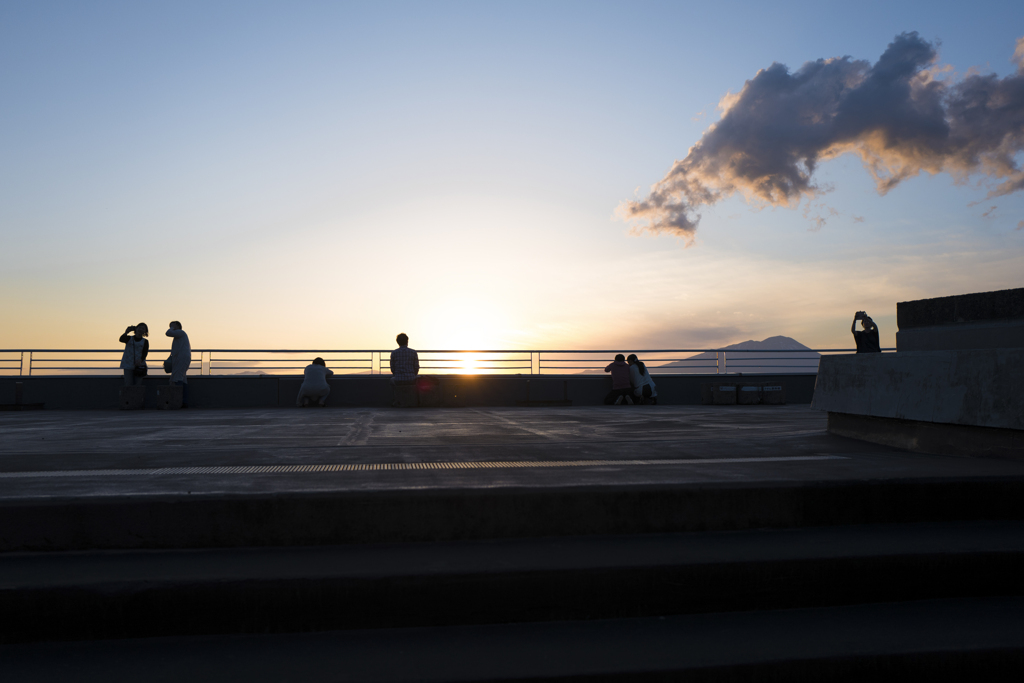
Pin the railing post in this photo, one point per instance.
(725, 363)
(718, 362)
(26, 362)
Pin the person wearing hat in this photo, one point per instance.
(314, 384)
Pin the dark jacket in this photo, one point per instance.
(620, 374)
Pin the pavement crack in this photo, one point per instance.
(544, 434)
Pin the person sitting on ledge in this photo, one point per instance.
(136, 348)
(314, 384)
(405, 364)
(867, 339)
(621, 388)
(640, 380)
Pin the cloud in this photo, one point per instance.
(858, 219)
(819, 218)
(987, 213)
(896, 115)
(1020, 226)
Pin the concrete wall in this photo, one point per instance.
(984, 388)
(987, 320)
(1006, 304)
(998, 335)
(931, 437)
(70, 393)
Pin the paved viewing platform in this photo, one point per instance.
(103, 453)
(556, 543)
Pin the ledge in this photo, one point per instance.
(930, 437)
(273, 391)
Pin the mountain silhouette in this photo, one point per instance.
(763, 361)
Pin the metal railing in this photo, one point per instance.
(56, 362)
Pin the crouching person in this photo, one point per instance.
(640, 380)
(314, 384)
(621, 388)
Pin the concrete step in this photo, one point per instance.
(130, 594)
(940, 640)
(210, 520)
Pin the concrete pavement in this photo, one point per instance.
(73, 453)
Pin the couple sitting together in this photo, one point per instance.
(630, 378)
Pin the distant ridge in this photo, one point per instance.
(776, 343)
(756, 362)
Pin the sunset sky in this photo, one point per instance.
(326, 175)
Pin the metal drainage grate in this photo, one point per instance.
(386, 466)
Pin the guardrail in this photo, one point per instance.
(50, 362)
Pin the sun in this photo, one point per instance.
(470, 365)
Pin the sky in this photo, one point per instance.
(326, 175)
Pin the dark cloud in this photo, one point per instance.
(896, 115)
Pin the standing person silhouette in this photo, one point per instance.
(136, 348)
(866, 339)
(180, 359)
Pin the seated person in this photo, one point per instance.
(405, 363)
(640, 380)
(621, 388)
(866, 339)
(314, 384)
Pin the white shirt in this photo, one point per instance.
(638, 381)
(181, 355)
(315, 377)
(132, 355)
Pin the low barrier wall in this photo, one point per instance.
(980, 387)
(101, 393)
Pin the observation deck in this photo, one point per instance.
(497, 544)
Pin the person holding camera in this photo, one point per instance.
(136, 348)
(867, 338)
